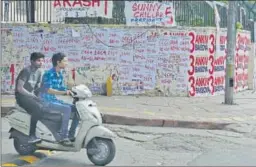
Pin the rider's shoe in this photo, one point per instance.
(72, 139)
(34, 139)
(66, 142)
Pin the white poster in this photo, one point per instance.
(148, 13)
(83, 8)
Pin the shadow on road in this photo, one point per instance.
(9, 157)
(62, 161)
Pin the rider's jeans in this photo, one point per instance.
(75, 122)
(33, 107)
(66, 110)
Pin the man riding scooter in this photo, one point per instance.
(53, 84)
(27, 82)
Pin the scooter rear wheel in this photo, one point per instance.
(23, 147)
(105, 154)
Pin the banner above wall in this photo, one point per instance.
(149, 13)
(82, 8)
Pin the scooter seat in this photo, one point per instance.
(52, 116)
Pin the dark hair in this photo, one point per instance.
(36, 55)
(57, 57)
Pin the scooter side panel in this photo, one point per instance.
(43, 132)
(19, 121)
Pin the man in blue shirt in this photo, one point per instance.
(53, 84)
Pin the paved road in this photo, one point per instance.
(161, 146)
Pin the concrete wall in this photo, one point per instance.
(174, 61)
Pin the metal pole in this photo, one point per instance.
(28, 14)
(231, 43)
(32, 11)
(6, 11)
(30, 8)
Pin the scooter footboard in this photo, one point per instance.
(98, 131)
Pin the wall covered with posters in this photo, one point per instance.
(179, 61)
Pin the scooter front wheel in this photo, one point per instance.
(23, 147)
(105, 151)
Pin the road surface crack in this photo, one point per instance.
(130, 138)
(136, 139)
(137, 132)
(194, 159)
(224, 135)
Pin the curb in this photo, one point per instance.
(124, 120)
(28, 160)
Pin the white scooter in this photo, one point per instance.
(92, 135)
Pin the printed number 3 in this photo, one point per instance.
(191, 72)
(192, 81)
(211, 58)
(211, 80)
(211, 50)
(192, 42)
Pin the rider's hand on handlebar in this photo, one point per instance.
(68, 92)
